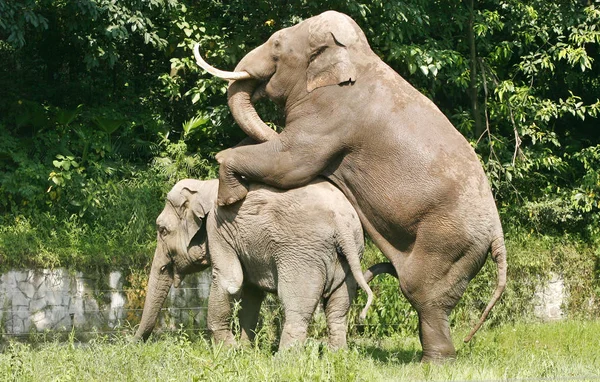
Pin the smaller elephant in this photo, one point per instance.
(303, 244)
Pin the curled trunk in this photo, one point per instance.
(240, 102)
(241, 89)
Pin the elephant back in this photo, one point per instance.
(319, 197)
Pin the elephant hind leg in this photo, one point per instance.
(434, 328)
(295, 325)
(434, 333)
(299, 293)
(336, 311)
(433, 286)
(252, 299)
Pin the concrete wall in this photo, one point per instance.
(550, 299)
(57, 300)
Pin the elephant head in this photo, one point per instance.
(321, 51)
(181, 246)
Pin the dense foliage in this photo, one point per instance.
(102, 109)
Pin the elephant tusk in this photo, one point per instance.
(217, 72)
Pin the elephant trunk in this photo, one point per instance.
(242, 87)
(240, 102)
(159, 284)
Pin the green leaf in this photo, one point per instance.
(193, 124)
(412, 68)
(108, 125)
(65, 117)
(433, 69)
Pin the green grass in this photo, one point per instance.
(551, 351)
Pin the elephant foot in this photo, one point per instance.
(438, 358)
(442, 353)
(337, 344)
(231, 194)
(291, 339)
(434, 332)
(231, 185)
(224, 337)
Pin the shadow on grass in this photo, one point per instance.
(398, 355)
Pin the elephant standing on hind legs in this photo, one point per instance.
(416, 183)
(304, 244)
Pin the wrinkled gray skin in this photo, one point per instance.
(416, 183)
(304, 244)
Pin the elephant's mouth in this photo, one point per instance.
(198, 264)
(197, 253)
(260, 92)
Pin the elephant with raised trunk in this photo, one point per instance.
(416, 183)
(304, 244)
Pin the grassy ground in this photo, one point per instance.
(561, 350)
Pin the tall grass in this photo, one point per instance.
(522, 351)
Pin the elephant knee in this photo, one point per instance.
(233, 289)
(231, 286)
(230, 281)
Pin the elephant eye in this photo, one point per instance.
(165, 268)
(317, 53)
(163, 231)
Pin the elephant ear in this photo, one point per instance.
(331, 36)
(331, 67)
(195, 211)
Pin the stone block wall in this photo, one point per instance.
(58, 300)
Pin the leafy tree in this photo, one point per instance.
(99, 95)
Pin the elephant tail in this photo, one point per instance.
(378, 269)
(360, 279)
(369, 274)
(348, 249)
(499, 256)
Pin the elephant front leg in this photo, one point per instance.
(219, 315)
(274, 163)
(231, 186)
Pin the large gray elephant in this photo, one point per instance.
(416, 183)
(304, 244)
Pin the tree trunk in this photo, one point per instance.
(476, 113)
